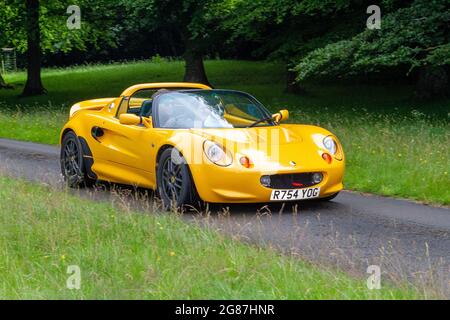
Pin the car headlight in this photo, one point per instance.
(217, 154)
(330, 144)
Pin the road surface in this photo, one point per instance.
(409, 241)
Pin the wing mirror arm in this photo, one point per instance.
(147, 122)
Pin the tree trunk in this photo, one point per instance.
(2, 82)
(195, 69)
(4, 85)
(432, 82)
(34, 54)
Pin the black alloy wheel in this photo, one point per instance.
(174, 181)
(72, 162)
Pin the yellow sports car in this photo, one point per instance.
(192, 143)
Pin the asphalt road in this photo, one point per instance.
(409, 241)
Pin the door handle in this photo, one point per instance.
(97, 132)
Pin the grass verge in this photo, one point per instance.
(395, 146)
(127, 255)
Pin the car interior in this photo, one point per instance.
(146, 108)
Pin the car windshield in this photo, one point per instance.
(209, 109)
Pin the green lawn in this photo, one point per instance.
(394, 145)
(126, 255)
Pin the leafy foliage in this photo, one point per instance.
(414, 36)
(192, 20)
(322, 39)
(284, 29)
(98, 25)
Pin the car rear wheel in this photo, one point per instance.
(174, 181)
(72, 163)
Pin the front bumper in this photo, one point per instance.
(236, 184)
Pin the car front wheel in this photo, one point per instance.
(174, 181)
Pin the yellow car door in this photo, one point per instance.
(126, 152)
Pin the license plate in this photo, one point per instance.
(294, 194)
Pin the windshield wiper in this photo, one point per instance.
(259, 121)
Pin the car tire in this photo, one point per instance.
(175, 185)
(73, 167)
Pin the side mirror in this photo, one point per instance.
(130, 119)
(282, 115)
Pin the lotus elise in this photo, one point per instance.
(191, 143)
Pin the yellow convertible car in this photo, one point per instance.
(192, 143)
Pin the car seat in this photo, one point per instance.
(146, 108)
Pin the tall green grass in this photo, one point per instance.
(127, 255)
(396, 155)
(395, 145)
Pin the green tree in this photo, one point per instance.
(37, 27)
(415, 37)
(33, 85)
(196, 22)
(286, 30)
